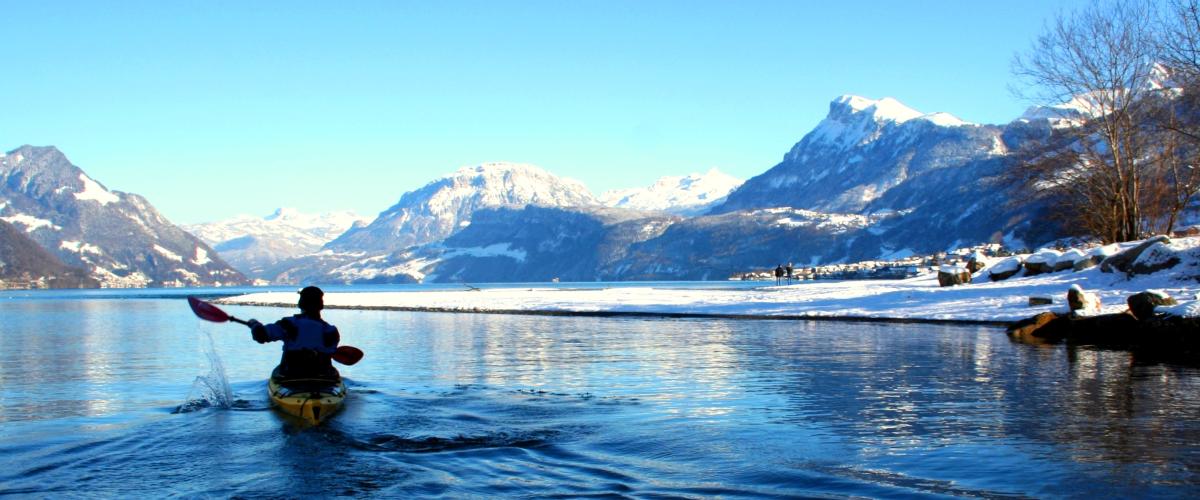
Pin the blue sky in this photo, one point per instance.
(211, 109)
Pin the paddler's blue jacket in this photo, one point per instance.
(308, 343)
(299, 332)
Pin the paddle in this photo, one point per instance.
(346, 355)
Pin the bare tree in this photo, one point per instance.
(1097, 65)
(1176, 111)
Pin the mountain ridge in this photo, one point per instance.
(119, 238)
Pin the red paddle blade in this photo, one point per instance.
(207, 311)
(347, 355)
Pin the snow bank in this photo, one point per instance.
(917, 298)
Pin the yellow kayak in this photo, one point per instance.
(310, 400)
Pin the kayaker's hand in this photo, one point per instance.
(258, 332)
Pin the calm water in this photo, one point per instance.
(111, 397)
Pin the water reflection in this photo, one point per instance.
(458, 404)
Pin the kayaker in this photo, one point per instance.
(308, 341)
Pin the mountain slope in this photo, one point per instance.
(683, 195)
(23, 263)
(119, 238)
(859, 152)
(446, 205)
(255, 244)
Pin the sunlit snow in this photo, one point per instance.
(95, 192)
(917, 298)
(30, 222)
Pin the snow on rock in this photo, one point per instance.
(168, 253)
(30, 222)
(93, 191)
(80, 247)
(1046, 256)
(201, 257)
(1073, 255)
(942, 119)
(886, 109)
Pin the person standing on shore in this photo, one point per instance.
(789, 270)
(778, 274)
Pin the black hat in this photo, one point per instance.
(311, 299)
(311, 291)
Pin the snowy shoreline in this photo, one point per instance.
(918, 299)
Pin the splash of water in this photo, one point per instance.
(212, 389)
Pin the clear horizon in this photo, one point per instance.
(220, 109)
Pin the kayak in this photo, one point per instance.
(310, 400)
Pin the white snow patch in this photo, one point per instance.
(494, 250)
(93, 191)
(30, 222)
(80, 247)
(886, 109)
(168, 254)
(942, 119)
(201, 257)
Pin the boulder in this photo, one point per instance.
(1005, 269)
(1095, 256)
(1067, 260)
(1039, 328)
(1123, 262)
(953, 275)
(1141, 305)
(1087, 262)
(1082, 303)
(1040, 301)
(1043, 261)
(1157, 257)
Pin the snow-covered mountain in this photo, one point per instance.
(446, 205)
(254, 244)
(684, 195)
(118, 238)
(874, 179)
(529, 243)
(863, 149)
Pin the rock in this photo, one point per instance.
(1040, 301)
(1043, 261)
(1087, 262)
(1005, 269)
(1124, 261)
(1155, 258)
(1067, 260)
(1104, 329)
(953, 275)
(977, 262)
(1039, 328)
(1081, 302)
(1142, 305)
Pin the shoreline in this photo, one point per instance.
(980, 298)
(642, 314)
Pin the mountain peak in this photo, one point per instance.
(685, 195)
(446, 205)
(495, 167)
(282, 213)
(886, 109)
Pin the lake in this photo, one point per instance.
(121, 393)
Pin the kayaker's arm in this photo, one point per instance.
(258, 331)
